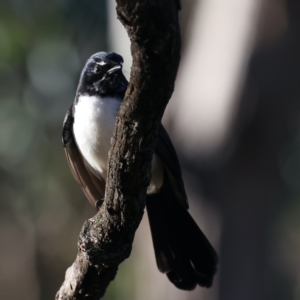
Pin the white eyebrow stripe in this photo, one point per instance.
(101, 63)
(114, 68)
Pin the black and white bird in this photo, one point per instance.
(182, 251)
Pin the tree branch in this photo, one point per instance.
(106, 239)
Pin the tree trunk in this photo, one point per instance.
(106, 239)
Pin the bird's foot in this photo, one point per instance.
(99, 203)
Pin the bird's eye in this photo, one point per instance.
(97, 69)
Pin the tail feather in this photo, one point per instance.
(159, 228)
(181, 249)
(183, 276)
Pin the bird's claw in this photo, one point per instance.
(99, 203)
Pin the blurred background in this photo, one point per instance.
(234, 119)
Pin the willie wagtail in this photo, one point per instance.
(182, 251)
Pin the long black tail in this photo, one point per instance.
(181, 249)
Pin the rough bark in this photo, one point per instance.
(106, 239)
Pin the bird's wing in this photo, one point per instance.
(93, 186)
(166, 151)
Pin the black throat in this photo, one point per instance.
(109, 85)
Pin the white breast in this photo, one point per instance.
(94, 121)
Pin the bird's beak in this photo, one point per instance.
(114, 69)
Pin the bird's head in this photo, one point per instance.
(102, 75)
